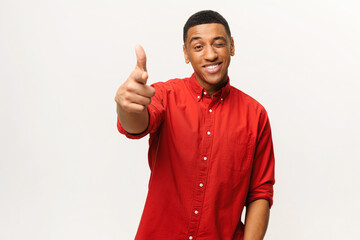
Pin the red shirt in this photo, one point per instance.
(208, 157)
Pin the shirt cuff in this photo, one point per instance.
(264, 191)
(139, 135)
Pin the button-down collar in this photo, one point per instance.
(199, 92)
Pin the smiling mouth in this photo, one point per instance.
(213, 68)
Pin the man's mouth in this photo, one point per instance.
(212, 68)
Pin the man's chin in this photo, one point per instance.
(211, 79)
(215, 80)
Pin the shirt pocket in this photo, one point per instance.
(239, 152)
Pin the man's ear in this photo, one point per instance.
(232, 47)
(185, 54)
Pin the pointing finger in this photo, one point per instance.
(140, 76)
(141, 89)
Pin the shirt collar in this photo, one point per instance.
(199, 92)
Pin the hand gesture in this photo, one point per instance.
(134, 95)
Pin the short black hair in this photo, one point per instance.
(204, 17)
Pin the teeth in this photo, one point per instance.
(212, 67)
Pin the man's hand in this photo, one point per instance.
(134, 95)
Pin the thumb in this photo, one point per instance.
(140, 57)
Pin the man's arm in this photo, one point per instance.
(256, 219)
(133, 123)
(133, 96)
(260, 196)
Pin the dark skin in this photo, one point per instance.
(134, 95)
(209, 49)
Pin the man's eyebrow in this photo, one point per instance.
(215, 38)
(220, 38)
(194, 38)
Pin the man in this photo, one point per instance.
(210, 146)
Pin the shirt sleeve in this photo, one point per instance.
(263, 171)
(156, 111)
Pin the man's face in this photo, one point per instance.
(208, 48)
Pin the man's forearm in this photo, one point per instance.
(256, 220)
(133, 122)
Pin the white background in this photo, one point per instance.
(65, 171)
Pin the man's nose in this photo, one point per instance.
(210, 53)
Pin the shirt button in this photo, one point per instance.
(222, 99)
(198, 96)
(205, 158)
(208, 133)
(210, 110)
(201, 185)
(204, 93)
(190, 237)
(196, 211)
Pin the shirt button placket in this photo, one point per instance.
(203, 172)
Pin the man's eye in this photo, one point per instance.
(197, 47)
(219, 45)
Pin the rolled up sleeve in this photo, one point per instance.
(263, 171)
